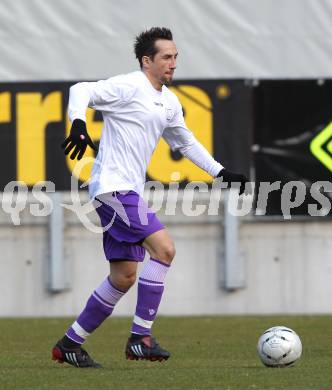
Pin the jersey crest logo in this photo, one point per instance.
(169, 113)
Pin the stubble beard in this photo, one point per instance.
(167, 81)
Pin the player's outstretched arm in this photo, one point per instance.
(78, 140)
(179, 137)
(231, 177)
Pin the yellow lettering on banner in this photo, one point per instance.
(34, 113)
(5, 111)
(94, 129)
(198, 115)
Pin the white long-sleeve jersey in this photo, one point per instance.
(135, 116)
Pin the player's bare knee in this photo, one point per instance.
(125, 281)
(170, 253)
(166, 254)
(130, 279)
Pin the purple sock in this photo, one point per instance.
(150, 291)
(99, 306)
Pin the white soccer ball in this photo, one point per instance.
(279, 347)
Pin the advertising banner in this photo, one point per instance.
(293, 141)
(34, 123)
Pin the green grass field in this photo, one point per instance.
(207, 353)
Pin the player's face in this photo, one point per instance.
(161, 68)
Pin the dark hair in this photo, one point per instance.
(145, 42)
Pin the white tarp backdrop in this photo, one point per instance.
(83, 39)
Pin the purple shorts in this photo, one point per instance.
(127, 221)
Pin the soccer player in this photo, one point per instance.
(138, 109)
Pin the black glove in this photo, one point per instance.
(231, 177)
(78, 139)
